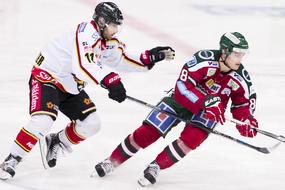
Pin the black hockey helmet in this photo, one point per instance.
(107, 12)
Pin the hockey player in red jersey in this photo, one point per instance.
(205, 85)
(62, 69)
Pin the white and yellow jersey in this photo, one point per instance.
(80, 56)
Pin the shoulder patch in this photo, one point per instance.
(82, 27)
(192, 61)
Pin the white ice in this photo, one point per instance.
(186, 25)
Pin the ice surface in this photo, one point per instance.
(25, 26)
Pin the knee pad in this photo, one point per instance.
(193, 136)
(145, 135)
(39, 125)
(89, 126)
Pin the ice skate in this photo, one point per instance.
(7, 168)
(54, 147)
(104, 167)
(150, 175)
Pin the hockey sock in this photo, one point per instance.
(172, 154)
(124, 151)
(142, 137)
(69, 135)
(24, 143)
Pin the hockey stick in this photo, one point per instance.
(265, 150)
(266, 133)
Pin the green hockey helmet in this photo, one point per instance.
(233, 41)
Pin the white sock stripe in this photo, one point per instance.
(183, 146)
(126, 150)
(173, 151)
(133, 142)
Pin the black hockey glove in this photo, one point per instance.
(112, 82)
(150, 57)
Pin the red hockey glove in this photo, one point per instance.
(214, 109)
(116, 89)
(150, 57)
(245, 130)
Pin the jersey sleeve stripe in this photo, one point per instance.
(80, 61)
(187, 93)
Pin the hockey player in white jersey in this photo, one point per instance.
(59, 75)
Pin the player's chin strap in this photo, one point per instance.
(265, 150)
(224, 61)
(280, 138)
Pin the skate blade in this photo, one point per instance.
(4, 175)
(143, 182)
(43, 151)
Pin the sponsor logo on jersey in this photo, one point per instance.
(110, 46)
(95, 35)
(213, 63)
(246, 75)
(233, 84)
(192, 61)
(205, 54)
(238, 77)
(213, 86)
(211, 72)
(226, 91)
(30, 145)
(82, 27)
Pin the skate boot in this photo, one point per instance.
(104, 167)
(54, 148)
(7, 168)
(150, 174)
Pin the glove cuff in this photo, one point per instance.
(210, 100)
(110, 79)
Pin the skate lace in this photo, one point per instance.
(107, 166)
(57, 148)
(153, 169)
(10, 163)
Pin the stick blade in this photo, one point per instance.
(267, 150)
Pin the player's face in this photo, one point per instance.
(234, 59)
(110, 30)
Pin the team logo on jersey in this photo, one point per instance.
(211, 72)
(205, 54)
(233, 85)
(192, 61)
(82, 27)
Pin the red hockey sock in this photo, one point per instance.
(72, 135)
(141, 138)
(26, 140)
(124, 151)
(172, 154)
